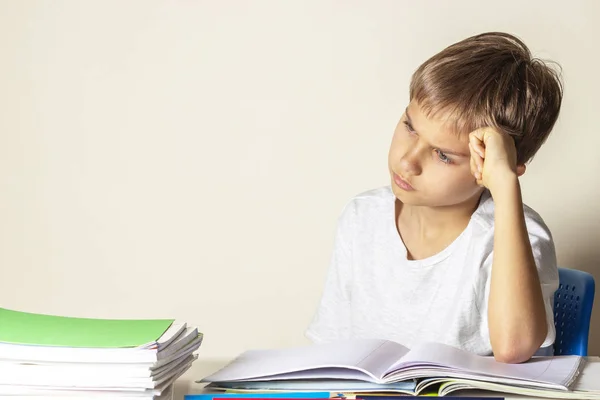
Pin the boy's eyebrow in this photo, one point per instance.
(445, 151)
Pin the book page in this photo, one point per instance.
(387, 354)
(550, 370)
(367, 359)
(454, 385)
(588, 380)
(329, 385)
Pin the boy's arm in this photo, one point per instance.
(516, 311)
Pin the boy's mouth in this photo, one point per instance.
(401, 183)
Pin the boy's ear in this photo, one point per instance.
(521, 169)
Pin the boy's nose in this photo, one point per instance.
(411, 163)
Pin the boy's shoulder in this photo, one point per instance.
(383, 193)
(484, 215)
(372, 207)
(371, 201)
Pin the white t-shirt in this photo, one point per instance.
(373, 291)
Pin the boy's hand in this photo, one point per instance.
(493, 157)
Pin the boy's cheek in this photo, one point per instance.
(394, 157)
(453, 184)
(397, 150)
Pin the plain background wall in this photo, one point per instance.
(189, 159)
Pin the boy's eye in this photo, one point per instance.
(443, 157)
(409, 128)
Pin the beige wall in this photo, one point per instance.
(189, 159)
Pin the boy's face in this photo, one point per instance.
(428, 163)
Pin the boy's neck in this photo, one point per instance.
(432, 222)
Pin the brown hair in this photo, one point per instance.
(491, 79)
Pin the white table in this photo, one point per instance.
(204, 367)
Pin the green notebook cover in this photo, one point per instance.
(18, 327)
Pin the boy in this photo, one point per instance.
(449, 253)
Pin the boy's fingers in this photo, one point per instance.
(476, 135)
(477, 145)
(474, 171)
(477, 158)
(479, 149)
(482, 134)
(473, 167)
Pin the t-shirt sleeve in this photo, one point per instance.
(332, 320)
(544, 254)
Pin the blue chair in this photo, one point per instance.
(573, 303)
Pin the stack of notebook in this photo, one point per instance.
(365, 368)
(45, 356)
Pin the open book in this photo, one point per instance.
(386, 362)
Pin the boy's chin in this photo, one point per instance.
(412, 198)
(418, 199)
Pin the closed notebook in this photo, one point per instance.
(49, 356)
(17, 327)
(48, 338)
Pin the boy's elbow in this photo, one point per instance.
(518, 349)
(512, 355)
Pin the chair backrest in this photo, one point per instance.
(573, 303)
